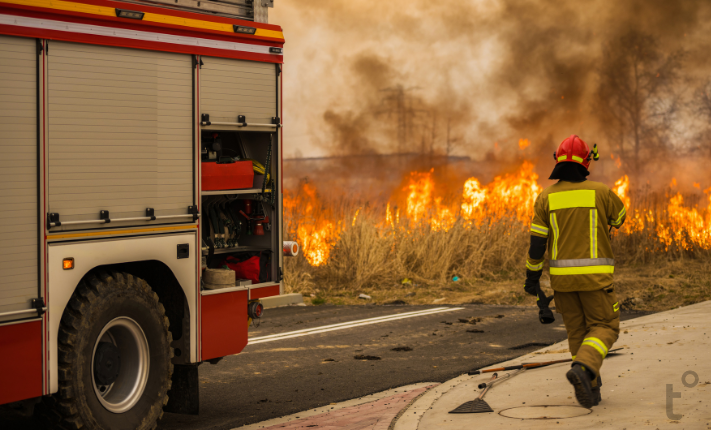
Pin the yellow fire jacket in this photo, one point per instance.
(575, 218)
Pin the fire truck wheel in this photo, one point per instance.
(114, 356)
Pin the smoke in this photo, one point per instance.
(454, 77)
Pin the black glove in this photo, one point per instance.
(532, 287)
(545, 315)
(532, 284)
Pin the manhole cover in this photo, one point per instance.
(544, 412)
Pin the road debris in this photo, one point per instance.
(366, 357)
(531, 345)
(402, 348)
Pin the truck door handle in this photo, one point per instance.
(183, 250)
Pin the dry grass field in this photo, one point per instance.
(414, 254)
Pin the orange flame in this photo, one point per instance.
(686, 226)
(514, 194)
(473, 197)
(419, 197)
(676, 226)
(511, 195)
(316, 232)
(617, 160)
(621, 188)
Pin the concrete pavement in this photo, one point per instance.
(661, 379)
(290, 375)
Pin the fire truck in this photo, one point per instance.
(140, 148)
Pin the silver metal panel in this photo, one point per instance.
(241, 9)
(229, 88)
(18, 175)
(261, 11)
(120, 133)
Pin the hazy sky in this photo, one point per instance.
(500, 70)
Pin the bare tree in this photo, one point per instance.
(702, 101)
(701, 106)
(636, 96)
(451, 143)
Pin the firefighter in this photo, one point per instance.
(572, 221)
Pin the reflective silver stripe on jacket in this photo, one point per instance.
(583, 262)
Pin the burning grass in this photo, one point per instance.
(412, 247)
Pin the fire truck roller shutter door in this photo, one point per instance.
(229, 88)
(120, 134)
(20, 343)
(18, 176)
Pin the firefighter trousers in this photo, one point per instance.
(592, 320)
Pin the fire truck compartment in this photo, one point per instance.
(224, 321)
(19, 227)
(21, 361)
(240, 221)
(234, 90)
(120, 135)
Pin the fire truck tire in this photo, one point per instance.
(113, 332)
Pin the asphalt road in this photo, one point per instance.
(282, 377)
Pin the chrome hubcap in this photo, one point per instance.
(119, 371)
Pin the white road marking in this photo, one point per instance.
(350, 324)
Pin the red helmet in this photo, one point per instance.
(573, 149)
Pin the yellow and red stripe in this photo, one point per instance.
(155, 15)
(95, 22)
(105, 11)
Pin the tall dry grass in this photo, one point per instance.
(367, 253)
(663, 226)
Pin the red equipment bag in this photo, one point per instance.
(227, 176)
(244, 269)
(250, 265)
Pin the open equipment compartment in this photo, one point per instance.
(240, 143)
(238, 222)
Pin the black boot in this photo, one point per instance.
(597, 396)
(580, 378)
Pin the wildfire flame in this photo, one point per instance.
(674, 224)
(621, 188)
(508, 196)
(419, 197)
(617, 160)
(686, 227)
(474, 195)
(316, 232)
